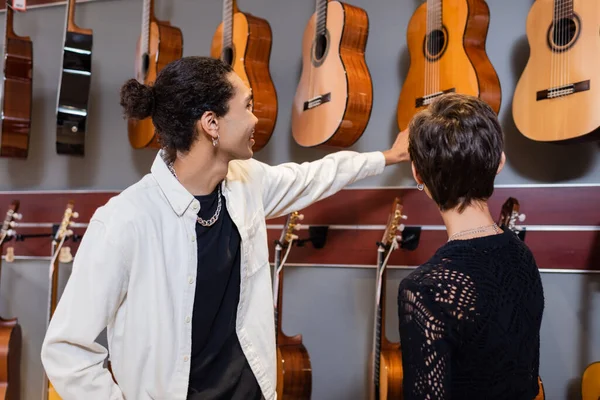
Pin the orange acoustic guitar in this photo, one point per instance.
(446, 43)
(63, 232)
(16, 91)
(386, 373)
(159, 44)
(590, 382)
(294, 372)
(509, 214)
(244, 42)
(334, 98)
(557, 97)
(10, 331)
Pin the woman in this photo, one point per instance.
(470, 317)
(177, 265)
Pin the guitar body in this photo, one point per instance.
(166, 45)
(334, 97)
(16, 104)
(390, 372)
(10, 359)
(459, 63)
(280, 382)
(72, 106)
(590, 382)
(295, 368)
(572, 116)
(249, 58)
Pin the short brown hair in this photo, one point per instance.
(456, 146)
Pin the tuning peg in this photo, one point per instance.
(17, 216)
(75, 215)
(68, 233)
(403, 217)
(401, 227)
(521, 217)
(398, 239)
(11, 233)
(300, 217)
(294, 237)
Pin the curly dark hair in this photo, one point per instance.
(456, 146)
(184, 90)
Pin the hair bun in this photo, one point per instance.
(137, 99)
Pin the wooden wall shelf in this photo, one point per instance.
(33, 4)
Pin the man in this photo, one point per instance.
(176, 266)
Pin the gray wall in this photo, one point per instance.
(331, 307)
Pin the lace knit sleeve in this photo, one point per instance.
(432, 304)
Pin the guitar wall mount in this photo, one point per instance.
(317, 235)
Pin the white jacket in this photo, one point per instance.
(135, 273)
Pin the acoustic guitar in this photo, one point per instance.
(63, 232)
(16, 90)
(557, 98)
(10, 331)
(509, 214)
(334, 97)
(74, 87)
(158, 45)
(446, 42)
(386, 373)
(590, 382)
(294, 372)
(244, 42)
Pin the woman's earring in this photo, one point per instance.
(420, 186)
(215, 141)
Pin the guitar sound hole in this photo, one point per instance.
(435, 44)
(228, 55)
(321, 47)
(564, 31)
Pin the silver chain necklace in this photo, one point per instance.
(480, 229)
(215, 217)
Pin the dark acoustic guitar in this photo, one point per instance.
(386, 367)
(76, 76)
(10, 332)
(159, 44)
(17, 91)
(243, 41)
(446, 43)
(334, 97)
(294, 372)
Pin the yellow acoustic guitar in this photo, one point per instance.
(557, 97)
(590, 382)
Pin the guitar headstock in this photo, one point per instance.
(291, 224)
(393, 225)
(11, 215)
(509, 216)
(66, 221)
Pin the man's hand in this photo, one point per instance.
(399, 151)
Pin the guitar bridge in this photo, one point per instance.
(564, 90)
(427, 99)
(317, 101)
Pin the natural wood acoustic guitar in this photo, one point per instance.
(294, 372)
(590, 382)
(446, 42)
(74, 87)
(16, 91)
(334, 97)
(159, 44)
(243, 41)
(386, 373)
(10, 330)
(557, 97)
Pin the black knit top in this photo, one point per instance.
(470, 322)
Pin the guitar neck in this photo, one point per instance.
(229, 7)
(147, 16)
(8, 23)
(563, 9)
(321, 10)
(71, 15)
(434, 15)
(379, 326)
(277, 290)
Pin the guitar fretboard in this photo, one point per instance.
(321, 9)
(563, 9)
(227, 23)
(146, 26)
(434, 15)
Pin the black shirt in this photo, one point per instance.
(470, 322)
(219, 369)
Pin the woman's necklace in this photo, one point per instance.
(480, 229)
(215, 217)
